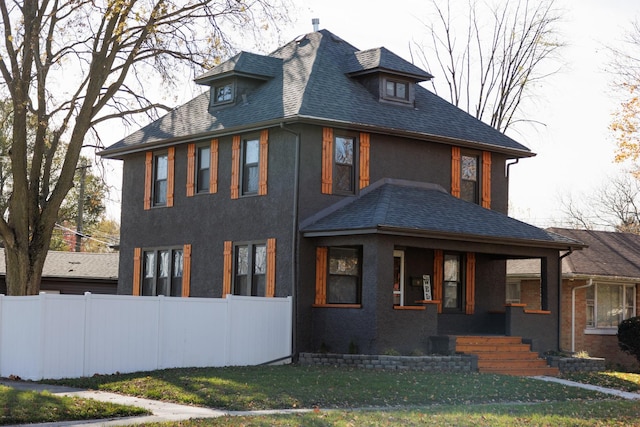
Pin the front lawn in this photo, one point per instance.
(22, 407)
(292, 386)
(619, 380)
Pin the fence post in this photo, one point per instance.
(229, 303)
(42, 302)
(2, 374)
(86, 339)
(160, 338)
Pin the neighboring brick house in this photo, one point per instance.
(600, 288)
(328, 174)
(74, 273)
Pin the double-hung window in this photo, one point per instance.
(160, 175)
(610, 304)
(338, 276)
(203, 169)
(452, 282)
(396, 90)
(469, 179)
(251, 269)
(250, 166)
(162, 272)
(344, 169)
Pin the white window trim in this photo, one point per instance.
(608, 330)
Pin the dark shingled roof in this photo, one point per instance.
(244, 63)
(311, 83)
(384, 60)
(77, 265)
(398, 206)
(609, 254)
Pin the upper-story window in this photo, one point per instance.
(223, 93)
(469, 179)
(203, 169)
(250, 166)
(396, 90)
(160, 176)
(344, 170)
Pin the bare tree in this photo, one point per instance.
(493, 56)
(615, 206)
(69, 65)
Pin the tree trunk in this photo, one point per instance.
(23, 270)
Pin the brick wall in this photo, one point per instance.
(530, 294)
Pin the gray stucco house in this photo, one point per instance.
(328, 173)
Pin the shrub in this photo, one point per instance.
(629, 336)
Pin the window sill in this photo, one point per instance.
(513, 304)
(601, 331)
(427, 301)
(537, 312)
(409, 307)
(337, 306)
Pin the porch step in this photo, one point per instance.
(504, 355)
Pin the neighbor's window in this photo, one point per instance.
(250, 270)
(250, 166)
(344, 170)
(162, 272)
(513, 293)
(469, 182)
(610, 304)
(344, 284)
(223, 94)
(203, 169)
(396, 90)
(160, 175)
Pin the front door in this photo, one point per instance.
(398, 277)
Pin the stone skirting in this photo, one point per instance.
(577, 364)
(456, 363)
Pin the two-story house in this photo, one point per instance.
(328, 173)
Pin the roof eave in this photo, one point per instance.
(118, 153)
(398, 231)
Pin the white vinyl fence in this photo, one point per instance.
(67, 336)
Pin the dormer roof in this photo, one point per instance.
(244, 64)
(382, 60)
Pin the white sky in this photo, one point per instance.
(574, 147)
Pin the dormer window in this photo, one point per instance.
(396, 90)
(223, 94)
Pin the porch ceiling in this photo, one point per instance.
(410, 208)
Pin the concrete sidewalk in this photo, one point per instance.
(165, 411)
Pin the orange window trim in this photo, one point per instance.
(455, 171)
(235, 167)
(171, 175)
(486, 179)
(321, 275)
(227, 268)
(186, 270)
(148, 170)
(191, 169)
(438, 277)
(364, 159)
(264, 155)
(471, 283)
(137, 271)
(327, 161)
(271, 268)
(213, 167)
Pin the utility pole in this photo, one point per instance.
(83, 176)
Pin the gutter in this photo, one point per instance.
(573, 313)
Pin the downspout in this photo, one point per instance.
(569, 252)
(573, 313)
(294, 242)
(514, 162)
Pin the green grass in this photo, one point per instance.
(619, 380)
(277, 387)
(20, 407)
(594, 413)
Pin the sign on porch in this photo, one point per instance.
(426, 286)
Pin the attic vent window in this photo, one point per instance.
(223, 94)
(396, 90)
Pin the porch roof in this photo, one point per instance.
(401, 207)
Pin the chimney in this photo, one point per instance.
(316, 24)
